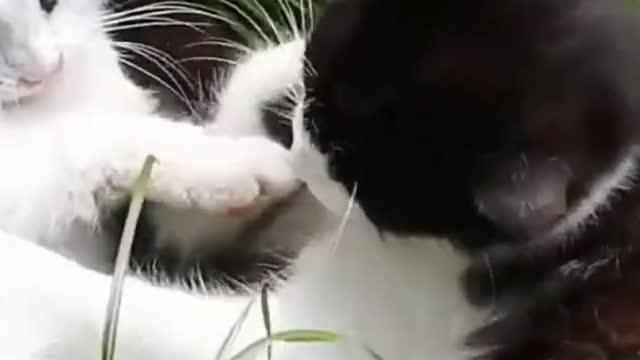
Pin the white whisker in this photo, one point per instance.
(160, 59)
(303, 16)
(166, 58)
(162, 6)
(345, 218)
(209, 58)
(222, 42)
(309, 70)
(215, 14)
(269, 20)
(243, 14)
(112, 29)
(160, 11)
(312, 16)
(180, 96)
(143, 15)
(289, 16)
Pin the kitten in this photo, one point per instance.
(75, 132)
(426, 139)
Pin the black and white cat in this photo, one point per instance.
(472, 123)
(75, 132)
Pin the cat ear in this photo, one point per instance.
(523, 196)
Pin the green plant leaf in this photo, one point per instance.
(109, 333)
(291, 336)
(307, 336)
(234, 330)
(266, 316)
(374, 355)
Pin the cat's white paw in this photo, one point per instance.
(225, 175)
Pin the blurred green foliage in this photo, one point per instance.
(253, 14)
(271, 17)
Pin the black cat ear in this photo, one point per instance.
(524, 196)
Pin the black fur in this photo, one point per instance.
(452, 114)
(415, 104)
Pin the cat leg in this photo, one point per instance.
(217, 174)
(263, 76)
(589, 228)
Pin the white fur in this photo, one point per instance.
(241, 100)
(384, 294)
(238, 114)
(59, 163)
(399, 296)
(598, 199)
(73, 142)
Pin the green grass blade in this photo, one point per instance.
(296, 336)
(266, 315)
(122, 260)
(234, 330)
(374, 355)
(304, 336)
(308, 336)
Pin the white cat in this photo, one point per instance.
(347, 281)
(74, 133)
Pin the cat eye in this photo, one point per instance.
(48, 5)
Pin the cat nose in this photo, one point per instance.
(39, 72)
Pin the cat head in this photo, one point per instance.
(436, 109)
(43, 42)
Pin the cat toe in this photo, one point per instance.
(253, 178)
(274, 183)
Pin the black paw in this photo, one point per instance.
(528, 321)
(503, 270)
(515, 269)
(535, 319)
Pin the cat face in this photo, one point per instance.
(436, 112)
(40, 40)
